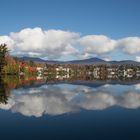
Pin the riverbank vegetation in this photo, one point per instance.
(15, 66)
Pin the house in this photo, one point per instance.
(96, 72)
(62, 68)
(39, 70)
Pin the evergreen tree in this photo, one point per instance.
(3, 54)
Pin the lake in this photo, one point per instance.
(40, 108)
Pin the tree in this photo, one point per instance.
(3, 54)
(3, 92)
(31, 63)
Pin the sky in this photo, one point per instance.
(71, 29)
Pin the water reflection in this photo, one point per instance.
(4, 93)
(34, 96)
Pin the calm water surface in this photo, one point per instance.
(38, 109)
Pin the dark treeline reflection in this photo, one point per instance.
(35, 96)
(4, 93)
(7, 83)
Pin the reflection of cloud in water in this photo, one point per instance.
(56, 100)
(137, 86)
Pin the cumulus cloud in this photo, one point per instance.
(57, 100)
(7, 40)
(53, 44)
(130, 45)
(97, 44)
(100, 44)
(137, 58)
(137, 86)
(36, 42)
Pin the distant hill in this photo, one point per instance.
(87, 61)
(125, 62)
(82, 62)
(35, 59)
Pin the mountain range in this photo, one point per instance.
(89, 61)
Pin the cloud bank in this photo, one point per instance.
(53, 44)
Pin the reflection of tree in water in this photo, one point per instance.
(4, 93)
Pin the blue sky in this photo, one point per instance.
(115, 19)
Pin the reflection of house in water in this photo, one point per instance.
(62, 72)
(100, 71)
(138, 71)
(39, 77)
(62, 69)
(61, 77)
(112, 72)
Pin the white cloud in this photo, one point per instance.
(137, 58)
(53, 44)
(137, 86)
(130, 45)
(36, 42)
(7, 40)
(100, 44)
(97, 44)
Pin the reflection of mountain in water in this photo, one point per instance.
(95, 83)
(56, 98)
